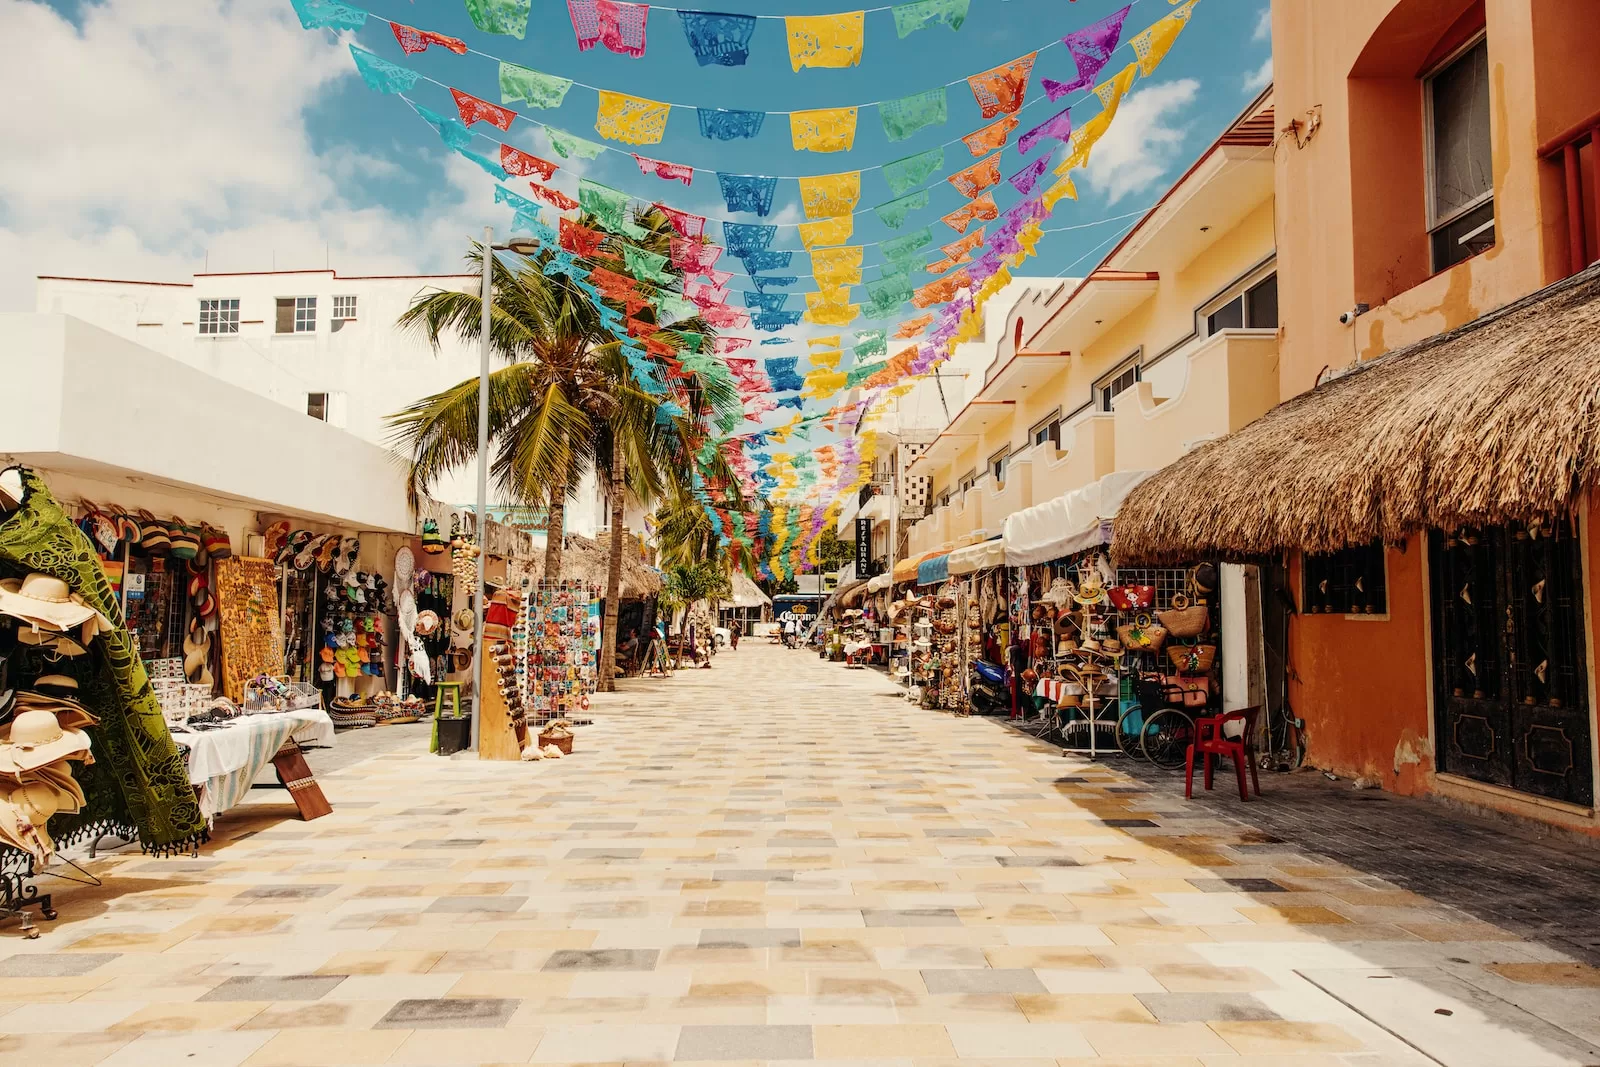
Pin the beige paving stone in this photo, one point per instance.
(1285, 1038)
(311, 1048)
(228, 1015)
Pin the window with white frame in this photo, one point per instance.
(297, 314)
(967, 481)
(344, 310)
(1249, 304)
(997, 466)
(1118, 381)
(1047, 430)
(219, 316)
(1460, 170)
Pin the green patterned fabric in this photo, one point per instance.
(895, 212)
(646, 266)
(902, 251)
(139, 781)
(905, 116)
(500, 16)
(871, 343)
(536, 89)
(893, 287)
(862, 372)
(909, 18)
(882, 309)
(912, 171)
(609, 207)
(566, 145)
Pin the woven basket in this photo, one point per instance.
(1192, 659)
(563, 743)
(1184, 619)
(1145, 638)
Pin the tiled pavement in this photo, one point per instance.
(773, 860)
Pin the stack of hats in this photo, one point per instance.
(44, 734)
(50, 614)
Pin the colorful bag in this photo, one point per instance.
(1132, 597)
(1196, 690)
(1142, 635)
(1192, 659)
(185, 540)
(216, 542)
(433, 543)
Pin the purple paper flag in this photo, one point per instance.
(1053, 89)
(1091, 49)
(1057, 127)
(1024, 179)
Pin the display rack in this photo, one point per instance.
(561, 653)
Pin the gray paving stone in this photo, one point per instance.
(285, 892)
(275, 987)
(1037, 861)
(1206, 1007)
(449, 1013)
(753, 937)
(54, 964)
(447, 842)
(744, 1043)
(982, 980)
(602, 959)
(911, 917)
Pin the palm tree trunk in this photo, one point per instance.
(554, 529)
(608, 631)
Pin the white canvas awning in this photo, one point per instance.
(1070, 523)
(978, 557)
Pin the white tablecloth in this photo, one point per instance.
(224, 763)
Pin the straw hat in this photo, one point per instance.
(69, 713)
(25, 808)
(60, 644)
(36, 739)
(48, 603)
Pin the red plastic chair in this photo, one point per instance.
(1209, 741)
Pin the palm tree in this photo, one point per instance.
(567, 402)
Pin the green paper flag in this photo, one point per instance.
(871, 343)
(646, 266)
(673, 307)
(894, 213)
(902, 250)
(907, 173)
(893, 288)
(609, 206)
(862, 372)
(909, 18)
(539, 90)
(566, 145)
(905, 116)
(500, 16)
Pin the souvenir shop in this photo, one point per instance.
(541, 643)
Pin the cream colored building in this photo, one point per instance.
(1170, 341)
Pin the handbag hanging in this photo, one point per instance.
(1132, 597)
(1184, 619)
(1192, 659)
(1142, 635)
(1196, 690)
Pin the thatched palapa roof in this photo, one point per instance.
(585, 560)
(1489, 423)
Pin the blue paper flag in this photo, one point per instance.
(451, 132)
(718, 38)
(773, 321)
(489, 166)
(747, 192)
(766, 301)
(775, 340)
(315, 13)
(780, 372)
(765, 260)
(719, 124)
(773, 279)
(740, 238)
(380, 74)
(796, 402)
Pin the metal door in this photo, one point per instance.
(1511, 691)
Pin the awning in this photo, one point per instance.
(746, 593)
(1070, 523)
(906, 569)
(1490, 423)
(879, 583)
(978, 557)
(933, 571)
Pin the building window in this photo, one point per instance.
(297, 314)
(1252, 307)
(219, 316)
(1350, 581)
(1460, 171)
(942, 500)
(344, 310)
(997, 466)
(968, 481)
(1108, 388)
(317, 406)
(1048, 431)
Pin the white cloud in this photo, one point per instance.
(1143, 141)
(153, 135)
(1259, 78)
(1263, 30)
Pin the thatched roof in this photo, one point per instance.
(1492, 422)
(746, 593)
(587, 560)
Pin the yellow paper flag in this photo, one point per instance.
(1152, 45)
(827, 231)
(1062, 188)
(837, 266)
(831, 307)
(827, 195)
(827, 360)
(631, 119)
(821, 384)
(830, 341)
(830, 129)
(825, 40)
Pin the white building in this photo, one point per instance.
(324, 345)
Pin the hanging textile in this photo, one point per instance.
(837, 266)
(827, 231)
(687, 225)
(911, 171)
(1086, 136)
(1024, 180)
(717, 38)
(619, 26)
(765, 260)
(138, 781)
(631, 119)
(821, 384)
(1057, 127)
(861, 372)
(827, 130)
(890, 290)
(1001, 89)
(413, 40)
(567, 145)
(902, 250)
(894, 213)
(772, 322)
(532, 87)
(905, 116)
(742, 238)
(609, 206)
(500, 16)
(1091, 49)
(580, 240)
(516, 161)
(672, 172)
(909, 18)
(825, 40)
(705, 295)
(717, 277)
(829, 195)
(554, 197)
(380, 74)
(1152, 45)
(721, 124)
(747, 192)
(991, 136)
(976, 178)
(315, 14)
(646, 266)
(450, 131)
(942, 265)
(473, 110)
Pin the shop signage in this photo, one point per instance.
(864, 548)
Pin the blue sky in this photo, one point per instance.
(149, 142)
